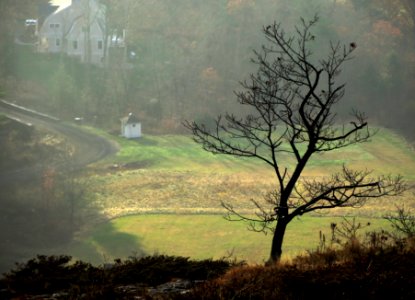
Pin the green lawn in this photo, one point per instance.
(200, 236)
(387, 152)
(171, 173)
(177, 153)
(172, 190)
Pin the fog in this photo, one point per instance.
(171, 61)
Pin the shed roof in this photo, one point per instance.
(130, 119)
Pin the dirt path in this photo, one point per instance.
(88, 148)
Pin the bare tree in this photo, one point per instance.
(291, 100)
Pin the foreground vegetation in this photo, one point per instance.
(378, 267)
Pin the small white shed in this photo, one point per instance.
(130, 127)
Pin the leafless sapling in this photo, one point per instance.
(291, 100)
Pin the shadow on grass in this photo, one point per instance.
(107, 244)
(28, 229)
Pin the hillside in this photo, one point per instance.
(22, 145)
(165, 185)
(203, 179)
(167, 179)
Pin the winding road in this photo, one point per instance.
(88, 148)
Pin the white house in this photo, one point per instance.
(78, 30)
(130, 127)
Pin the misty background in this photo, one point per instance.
(187, 58)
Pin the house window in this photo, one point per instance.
(54, 25)
(75, 44)
(58, 42)
(99, 45)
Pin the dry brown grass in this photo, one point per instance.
(140, 191)
(354, 271)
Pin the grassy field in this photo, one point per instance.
(200, 237)
(163, 194)
(173, 174)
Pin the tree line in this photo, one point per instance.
(190, 56)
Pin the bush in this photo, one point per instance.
(46, 274)
(154, 270)
(52, 274)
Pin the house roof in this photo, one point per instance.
(74, 13)
(61, 4)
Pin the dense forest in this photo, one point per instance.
(191, 56)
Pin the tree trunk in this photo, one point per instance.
(276, 248)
